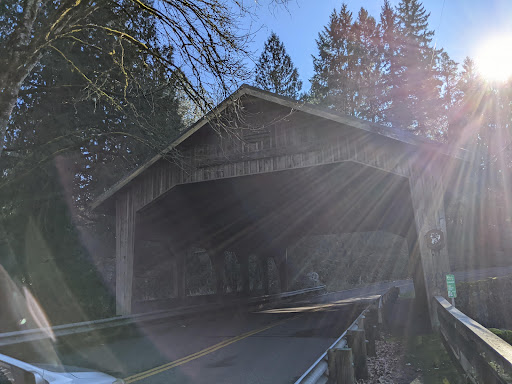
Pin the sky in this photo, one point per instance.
(461, 26)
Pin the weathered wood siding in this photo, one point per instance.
(427, 194)
(287, 145)
(125, 249)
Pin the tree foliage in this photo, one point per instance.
(64, 145)
(391, 72)
(275, 71)
(89, 90)
(199, 42)
(383, 72)
(415, 94)
(334, 83)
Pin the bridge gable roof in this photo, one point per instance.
(393, 133)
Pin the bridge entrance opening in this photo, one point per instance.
(257, 219)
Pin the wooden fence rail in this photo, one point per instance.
(484, 357)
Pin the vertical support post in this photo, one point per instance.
(371, 333)
(264, 277)
(244, 273)
(283, 272)
(372, 322)
(341, 367)
(125, 250)
(427, 195)
(420, 289)
(217, 259)
(357, 341)
(179, 272)
(181, 276)
(175, 277)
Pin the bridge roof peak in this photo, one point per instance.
(393, 133)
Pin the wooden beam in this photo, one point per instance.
(357, 342)
(125, 249)
(427, 194)
(217, 259)
(265, 277)
(243, 259)
(341, 366)
(283, 273)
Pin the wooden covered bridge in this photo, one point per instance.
(262, 171)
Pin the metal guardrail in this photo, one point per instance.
(28, 335)
(322, 370)
(484, 357)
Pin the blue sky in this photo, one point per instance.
(460, 26)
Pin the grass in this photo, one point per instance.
(407, 295)
(504, 334)
(428, 356)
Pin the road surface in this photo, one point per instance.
(272, 345)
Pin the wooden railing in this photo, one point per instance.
(484, 357)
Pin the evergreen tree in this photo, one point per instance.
(481, 124)
(275, 71)
(208, 44)
(65, 145)
(485, 118)
(471, 112)
(348, 69)
(415, 90)
(367, 67)
(58, 111)
(334, 83)
(391, 70)
(450, 95)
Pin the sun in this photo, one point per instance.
(494, 58)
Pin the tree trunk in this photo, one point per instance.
(18, 62)
(8, 97)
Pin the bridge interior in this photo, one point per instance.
(262, 215)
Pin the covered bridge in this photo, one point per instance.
(261, 171)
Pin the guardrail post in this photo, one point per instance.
(357, 341)
(370, 328)
(372, 324)
(341, 366)
(370, 338)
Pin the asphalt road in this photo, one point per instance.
(266, 346)
(269, 345)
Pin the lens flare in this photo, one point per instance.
(494, 58)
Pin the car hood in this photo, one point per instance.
(75, 374)
(93, 377)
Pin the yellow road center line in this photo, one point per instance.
(206, 351)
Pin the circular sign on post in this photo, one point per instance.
(435, 239)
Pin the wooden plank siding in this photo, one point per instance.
(285, 149)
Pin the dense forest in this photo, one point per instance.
(106, 90)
